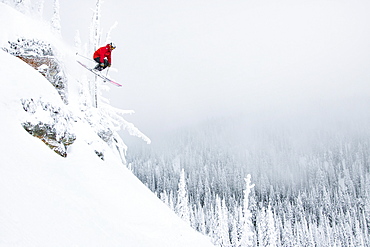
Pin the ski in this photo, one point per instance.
(105, 79)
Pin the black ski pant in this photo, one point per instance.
(98, 67)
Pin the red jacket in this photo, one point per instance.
(103, 52)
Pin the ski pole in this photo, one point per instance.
(83, 56)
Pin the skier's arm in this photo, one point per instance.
(102, 55)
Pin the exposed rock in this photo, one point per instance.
(40, 56)
(55, 131)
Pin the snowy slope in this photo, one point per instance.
(47, 200)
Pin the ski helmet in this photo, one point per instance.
(112, 45)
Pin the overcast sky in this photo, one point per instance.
(185, 61)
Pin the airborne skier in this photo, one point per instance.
(103, 56)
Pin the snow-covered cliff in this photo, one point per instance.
(76, 199)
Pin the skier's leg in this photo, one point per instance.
(98, 67)
(105, 63)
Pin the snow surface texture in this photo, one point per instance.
(48, 200)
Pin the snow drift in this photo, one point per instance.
(80, 200)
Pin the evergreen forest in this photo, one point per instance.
(312, 183)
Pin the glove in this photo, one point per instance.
(102, 64)
(109, 65)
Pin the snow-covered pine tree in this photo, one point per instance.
(235, 231)
(221, 233)
(95, 38)
(164, 198)
(266, 228)
(262, 228)
(246, 238)
(182, 206)
(287, 238)
(200, 220)
(358, 235)
(95, 30)
(365, 216)
(271, 230)
(192, 217)
(55, 20)
(171, 204)
(278, 229)
(311, 210)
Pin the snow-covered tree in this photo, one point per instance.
(262, 228)
(221, 232)
(327, 205)
(287, 237)
(235, 230)
(246, 238)
(266, 228)
(182, 206)
(95, 29)
(94, 42)
(164, 197)
(171, 203)
(55, 20)
(271, 230)
(201, 220)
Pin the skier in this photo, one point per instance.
(103, 56)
